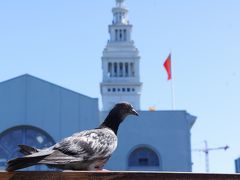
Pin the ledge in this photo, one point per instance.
(109, 175)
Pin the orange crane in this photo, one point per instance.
(206, 150)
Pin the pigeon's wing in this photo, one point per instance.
(84, 146)
(89, 144)
(57, 157)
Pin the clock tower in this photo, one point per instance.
(120, 63)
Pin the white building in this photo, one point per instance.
(120, 63)
(158, 140)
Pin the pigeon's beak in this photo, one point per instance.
(134, 112)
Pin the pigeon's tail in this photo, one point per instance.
(27, 150)
(23, 162)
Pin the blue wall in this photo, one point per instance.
(27, 100)
(166, 132)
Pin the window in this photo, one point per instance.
(143, 158)
(121, 69)
(128, 89)
(120, 35)
(32, 136)
(125, 34)
(109, 69)
(116, 34)
(119, 17)
(115, 70)
(126, 70)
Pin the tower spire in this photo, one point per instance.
(119, 3)
(120, 13)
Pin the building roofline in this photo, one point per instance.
(29, 75)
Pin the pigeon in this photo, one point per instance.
(87, 150)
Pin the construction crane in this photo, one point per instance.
(206, 150)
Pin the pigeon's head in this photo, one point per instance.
(124, 109)
(118, 113)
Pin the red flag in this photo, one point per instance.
(167, 65)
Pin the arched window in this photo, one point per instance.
(115, 69)
(120, 69)
(109, 69)
(132, 69)
(120, 35)
(143, 158)
(31, 136)
(126, 70)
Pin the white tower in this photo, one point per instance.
(120, 63)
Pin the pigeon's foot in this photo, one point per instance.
(71, 171)
(102, 170)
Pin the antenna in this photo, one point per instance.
(206, 150)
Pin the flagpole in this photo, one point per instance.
(168, 66)
(172, 84)
(173, 95)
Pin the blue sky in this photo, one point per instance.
(62, 41)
